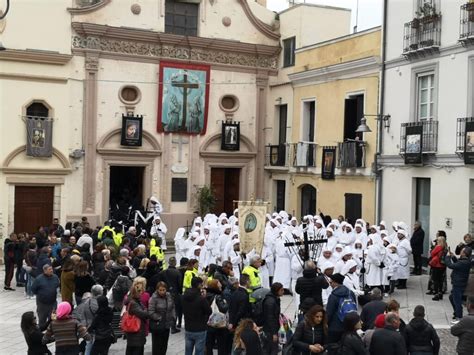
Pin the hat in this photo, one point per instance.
(67, 233)
(468, 251)
(380, 321)
(63, 310)
(337, 278)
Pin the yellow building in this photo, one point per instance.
(325, 164)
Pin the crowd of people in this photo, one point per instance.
(114, 284)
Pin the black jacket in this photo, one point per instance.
(461, 268)
(239, 307)
(422, 337)
(311, 285)
(352, 344)
(251, 341)
(332, 307)
(222, 277)
(196, 310)
(464, 330)
(416, 241)
(461, 246)
(35, 343)
(221, 302)
(305, 336)
(370, 311)
(173, 279)
(101, 326)
(271, 314)
(387, 341)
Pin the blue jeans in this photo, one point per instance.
(29, 283)
(196, 341)
(456, 300)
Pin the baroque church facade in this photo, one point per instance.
(193, 78)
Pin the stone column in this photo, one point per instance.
(90, 134)
(260, 117)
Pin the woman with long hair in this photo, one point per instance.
(68, 284)
(33, 335)
(438, 267)
(351, 343)
(162, 318)
(311, 334)
(136, 341)
(101, 327)
(66, 331)
(83, 280)
(247, 339)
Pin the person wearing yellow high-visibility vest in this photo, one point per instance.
(103, 229)
(253, 272)
(156, 250)
(190, 273)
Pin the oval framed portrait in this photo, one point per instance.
(250, 223)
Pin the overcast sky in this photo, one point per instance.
(370, 11)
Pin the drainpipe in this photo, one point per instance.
(378, 174)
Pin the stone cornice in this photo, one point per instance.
(337, 71)
(87, 9)
(428, 160)
(33, 56)
(135, 42)
(264, 28)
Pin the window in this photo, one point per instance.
(425, 96)
(422, 208)
(289, 52)
(353, 207)
(309, 119)
(37, 109)
(181, 18)
(179, 189)
(283, 114)
(280, 195)
(353, 113)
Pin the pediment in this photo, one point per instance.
(212, 147)
(110, 144)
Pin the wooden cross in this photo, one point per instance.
(186, 85)
(306, 243)
(180, 141)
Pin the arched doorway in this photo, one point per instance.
(308, 200)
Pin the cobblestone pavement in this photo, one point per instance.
(13, 304)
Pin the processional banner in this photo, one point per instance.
(252, 225)
(469, 143)
(39, 137)
(183, 98)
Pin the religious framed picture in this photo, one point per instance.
(230, 139)
(414, 144)
(132, 130)
(469, 143)
(328, 163)
(183, 98)
(39, 134)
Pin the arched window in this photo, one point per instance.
(37, 109)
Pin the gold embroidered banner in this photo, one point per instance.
(252, 225)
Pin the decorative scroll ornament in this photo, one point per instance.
(174, 52)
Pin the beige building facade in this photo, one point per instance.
(100, 60)
(324, 164)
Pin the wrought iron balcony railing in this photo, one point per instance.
(351, 154)
(276, 155)
(429, 144)
(461, 133)
(422, 35)
(466, 31)
(303, 154)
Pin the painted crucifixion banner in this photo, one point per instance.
(39, 137)
(252, 225)
(183, 98)
(414, 144)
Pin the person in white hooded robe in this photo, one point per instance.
(346, 255)
(159, 229)
(332, 239)
(347, 237)
(156, 206)
(391, 266)
(327, 269)
(359, 232)
(404, 252)
(351, 278)
(235, 257)
(374, 262)
(297, 265)
(271, 233)
(229, 246)
(212, 242)
(180, 244)
(224, 238)
(283, 261)
(393, 234)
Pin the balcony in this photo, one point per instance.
(461, 134)
(351, 154)
(466, 31)
(422, 36)
(429, 143)
(303, 154)
(276, 155)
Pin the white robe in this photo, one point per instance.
(223, 240)
(160, 230)
(296, 272)
(325, 293)
(282, 264)
(391, 266)
(375, 257)
(236, 260)
(347, 239)
(352, 282)
(404, 252)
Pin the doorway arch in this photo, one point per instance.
(308, 200)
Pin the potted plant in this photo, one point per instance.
(205, 199)
(427, 13)
(415, 23)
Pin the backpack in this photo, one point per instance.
(346, 305)
(120, 289)
(257, 307)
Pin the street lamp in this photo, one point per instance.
(363, 128)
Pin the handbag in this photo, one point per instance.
(130, 323)
(217, 319)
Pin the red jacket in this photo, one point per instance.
(436, 255)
